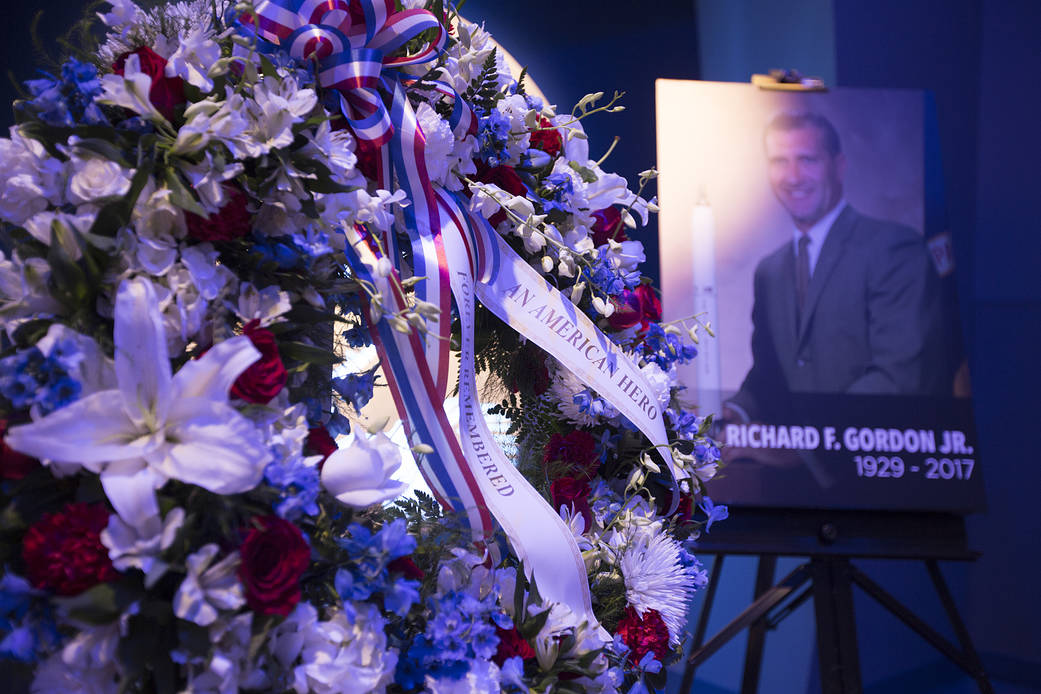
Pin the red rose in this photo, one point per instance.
(63, 551)
(577, 449)
(547, 138)
(230, 222)
(13, 465)
(166, 93)
(320, 442)
(265, 377)
(511, 644)
(573, 493)
(638, 306)
(608, 225)
(274, 556)
(506, 178)
(644, 635)
(407, 567)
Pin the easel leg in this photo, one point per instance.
(764, 579)
(836, 626)
(972, 659)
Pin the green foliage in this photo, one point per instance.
(483, 92)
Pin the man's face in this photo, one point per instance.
(806, 179)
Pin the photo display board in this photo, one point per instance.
(808, 229)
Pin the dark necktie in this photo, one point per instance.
(802, 271)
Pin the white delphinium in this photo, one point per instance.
(155, 426)
(33, 179)
(464, 151)
(377, 209)
(440, 143)
(209, 587)
(138, 546)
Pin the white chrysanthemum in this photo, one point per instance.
(655, 578)
(659, 382)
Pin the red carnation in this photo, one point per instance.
(644, 635)
(166, 93)
(638, 306)
(547, 138)
(573, 493)
(407, 567)
(506, 178)
(232, 221)
(265, 377)
(13, 465)
(63, 551)
(320, 442)
(608, 225)
(511, 644)
(274, 556)
(577, 449)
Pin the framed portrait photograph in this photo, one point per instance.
(800, 240)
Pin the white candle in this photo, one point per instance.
(706, 364)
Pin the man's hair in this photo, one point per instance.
(793, 120)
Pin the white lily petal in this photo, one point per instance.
(215, 447)
(92, 430)
(130, 487)
(142, 358)
(362, 498)
(212, 375)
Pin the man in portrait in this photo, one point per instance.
(850, 304)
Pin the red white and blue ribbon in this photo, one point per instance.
(351, 42)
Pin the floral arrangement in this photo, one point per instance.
(176, 298)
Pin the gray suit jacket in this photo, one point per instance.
(871, 323)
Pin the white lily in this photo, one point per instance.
(155, 426)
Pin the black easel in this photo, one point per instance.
(831, 539)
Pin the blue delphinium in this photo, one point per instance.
(356, 388)
(300, 484)
(665, 348)
(27, 626)
(493, 136)
(553, 190)
(593, 404)
(714, 513)
(68, 100)
(461, 630)
(29, 378)
(366, 572)
(608, 279)
(334, 422)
